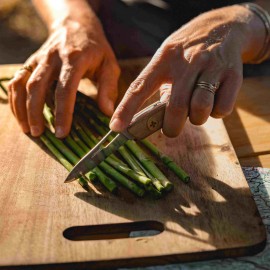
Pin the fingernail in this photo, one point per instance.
(116, 125)
(35, 130)
(59, 132)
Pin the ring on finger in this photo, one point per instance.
(211, 87)
(28, 68)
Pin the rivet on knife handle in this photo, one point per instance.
(147, 121)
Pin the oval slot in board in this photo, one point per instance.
(114, 231)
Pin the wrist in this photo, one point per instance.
(84, 17)
(89, 23)
(257, 44)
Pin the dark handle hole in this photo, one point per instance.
(114, 231)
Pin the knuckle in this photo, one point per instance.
(202, 57)
(235, 74)
(177, 106)
(137, 88)
(32, 85)
(71, 55)
(169, 49)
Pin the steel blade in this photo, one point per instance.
(95, 156)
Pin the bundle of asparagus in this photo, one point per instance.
(131, 167)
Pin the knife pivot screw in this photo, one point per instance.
(152, 123)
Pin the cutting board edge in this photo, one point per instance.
(149, 261)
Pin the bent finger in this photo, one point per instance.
(202, 100)
(65, 96)
(17, 97)
(225, 97)
(108, 87)
(36, 87)
(178, 105)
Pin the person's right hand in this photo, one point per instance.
(71, 52)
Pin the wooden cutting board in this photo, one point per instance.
(213, 216)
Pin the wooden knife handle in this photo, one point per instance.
(147, 121)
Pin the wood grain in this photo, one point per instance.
(249, 124)
(213, 216)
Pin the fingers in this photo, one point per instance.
(108, 87)
(202, 100)
(65, 96)
(226, 95)
(142, 88)
(178, 104)
(17, 98)
(37, 87)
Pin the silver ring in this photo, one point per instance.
(211, 87)
(27, 68)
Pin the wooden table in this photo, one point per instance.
(248, 126)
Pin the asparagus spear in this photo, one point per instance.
(62, 147)
(112, 159)
(49, 117)
(2, 86)
(79, 141)
(133, 163)
(149, 164)
(107, 182)
(100, 116)
(63, 160)
(167, 161)
(122, 179)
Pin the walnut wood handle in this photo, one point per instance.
(147, 121)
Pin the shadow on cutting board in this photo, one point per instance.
(215, 208)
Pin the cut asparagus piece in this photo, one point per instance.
(62, 147)
(167, 161)
(91, 175)
(63, 160)
(148, 163)
(120, 166)
(122, 179)
(107, 182)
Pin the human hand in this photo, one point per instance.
(209, 49)
(72, 51)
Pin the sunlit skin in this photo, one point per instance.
(212, 48)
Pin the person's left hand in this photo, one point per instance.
(208, 49)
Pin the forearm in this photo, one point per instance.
(55, 13)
